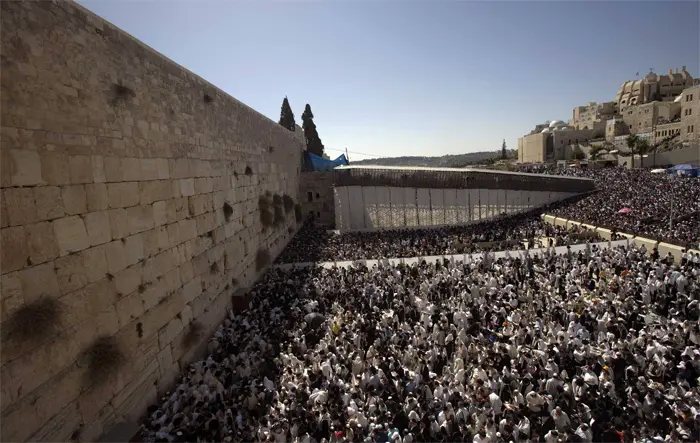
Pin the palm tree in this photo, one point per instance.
(632, 141)
(594, 153)
(643, 147)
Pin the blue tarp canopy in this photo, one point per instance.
(684, 169)
(313, 162)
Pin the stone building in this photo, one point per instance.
(653, 87)
(552, 143)
(593, 116)
(690, 115)
(134, 196)
(316, 197)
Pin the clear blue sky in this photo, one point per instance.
(416, 77)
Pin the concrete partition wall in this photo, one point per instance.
(369, 197)
(398, 207)
(370, 207)
(357, 210)
(437, 205)
(647, 242)
(451, 208)
(502, 201)
(676, 251)
(384, 207)
(514, 203)
(474, 204)
(342, 208)
(411, 211)
(463, 206)
(425, 217)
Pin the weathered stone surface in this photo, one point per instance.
(49, 202)
(71, 234)
(41, 241)
(117, 210)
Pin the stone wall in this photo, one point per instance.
(130, 192)
(316, 196)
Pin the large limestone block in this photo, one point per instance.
(21, 207)
(74, 199)
(49, 202)
(13, 248)
(41, 241)
(54, 168)
(123, 195)
(71, 234)
(25, 167)
(97, 197)
(98, 227)
(140, 218)
(37, 281)
(80, 167)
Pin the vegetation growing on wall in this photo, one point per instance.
(104, 357)
(262, 258)
(267, 217)
(297, 213)
(192, 334)
(228, 211)
(121, 93)
(35, 319)
(279, 215)
(288, 203)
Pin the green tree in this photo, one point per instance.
(595, 151)
(504, 151)
(577, 153)
(287, 116)
(643, 147)
(632, 141)
(313, 141)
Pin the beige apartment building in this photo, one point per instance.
(593, 116)
(653, 87)
(615, 127)
(690, 114)
(551, 143)
(644, 118)
(655, 108)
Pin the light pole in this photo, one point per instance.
(670, 214)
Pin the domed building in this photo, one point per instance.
(550, 142)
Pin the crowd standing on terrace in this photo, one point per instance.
(314, 243)
(663, 207)
(596, 346)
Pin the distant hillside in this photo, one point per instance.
(445, 161)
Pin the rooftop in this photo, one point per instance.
(422, 168)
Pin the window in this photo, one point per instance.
(690, 111)
(310, 196)
(318, 214)
(318, 195)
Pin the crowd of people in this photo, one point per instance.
(661, 206)
(315, 244)
(601, 345)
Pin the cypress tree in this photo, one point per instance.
(287, 116)
(313, 141)
(504, 153)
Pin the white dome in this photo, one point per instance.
(678, 99)
(545, 131)
(556, 123)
